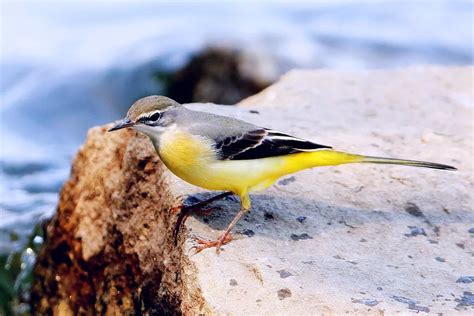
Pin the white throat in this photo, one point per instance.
(154, 132)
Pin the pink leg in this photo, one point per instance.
(224, 238)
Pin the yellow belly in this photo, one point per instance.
(192, 159)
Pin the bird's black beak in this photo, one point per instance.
(122, 124)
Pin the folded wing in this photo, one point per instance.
(262, 143)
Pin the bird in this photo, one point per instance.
(222, 153)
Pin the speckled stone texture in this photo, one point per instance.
(366, 239)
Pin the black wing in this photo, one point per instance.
(262, 143)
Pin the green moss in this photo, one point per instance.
(16, 273)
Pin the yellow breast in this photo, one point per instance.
(185, 155)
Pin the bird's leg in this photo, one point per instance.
(225, 237)
(202, 203)
(185, 211)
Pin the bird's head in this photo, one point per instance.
(149, 115)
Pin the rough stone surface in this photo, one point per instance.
(356, 238)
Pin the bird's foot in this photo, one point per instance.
(204, 244)
(176, 209)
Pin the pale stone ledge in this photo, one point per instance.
(356, 238)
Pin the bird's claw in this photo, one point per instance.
(204, 243)
(176, 209)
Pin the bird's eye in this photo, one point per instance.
(150, 119)
(155, 116)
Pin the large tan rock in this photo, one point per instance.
(361, 239)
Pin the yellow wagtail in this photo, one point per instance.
(222, 153)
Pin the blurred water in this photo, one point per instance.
(66, 66)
